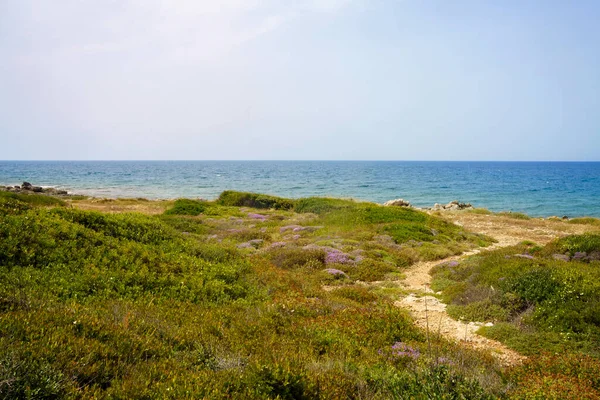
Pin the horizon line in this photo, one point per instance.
(289, 160)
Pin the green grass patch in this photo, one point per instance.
(33, 199)
(244, 199)
(585, 221)
(186, 207)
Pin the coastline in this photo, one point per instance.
(538, 189)
(92, 195)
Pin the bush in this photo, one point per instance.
(244, 199)
(551, 376)
(355, 293)
(33, 199)
(293, 257)
(587, 243)
(186, 207)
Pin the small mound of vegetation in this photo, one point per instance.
(244, 199)
(186, 207)
(557, 376)
(33, 199)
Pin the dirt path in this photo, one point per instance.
(430, 313)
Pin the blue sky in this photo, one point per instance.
(300, 80)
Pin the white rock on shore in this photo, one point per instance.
(397, 203)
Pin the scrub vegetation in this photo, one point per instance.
(543, 302)
(255, 296)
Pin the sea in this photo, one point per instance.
(536, 188)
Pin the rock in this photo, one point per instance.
(62, 192)
(397, 203)
(26, 185)
(454, 205)
(37, 189)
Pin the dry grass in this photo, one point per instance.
(538, 230)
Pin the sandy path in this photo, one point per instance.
(430, 313)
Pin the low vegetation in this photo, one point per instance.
(255, 296)
(542, 301)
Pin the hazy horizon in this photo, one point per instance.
(409, 80)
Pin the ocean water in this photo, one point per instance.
(535, 188)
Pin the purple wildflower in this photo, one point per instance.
(444, 360)
(337, 257)
(452, 263)
(401, 350)
(580, 255)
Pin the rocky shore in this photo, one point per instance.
(28, 188)
(452, 206)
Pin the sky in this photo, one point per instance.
(300, 80)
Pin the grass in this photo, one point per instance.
(585, 221)
(33, 199)
(215, 300)
(186, 207)
(244, 199)
(514, 215)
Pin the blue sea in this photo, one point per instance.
(535, 188)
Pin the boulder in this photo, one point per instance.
(397, 203)
(454, 205)
(37, 189)
(26, 186)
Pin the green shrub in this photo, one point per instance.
(244, 199)
(33, 199)
(557, 376)
(355, 293)
(483, 311)
(370, 270)
(322, 205)
(186, 207)
(293, 257)
(588, 243)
